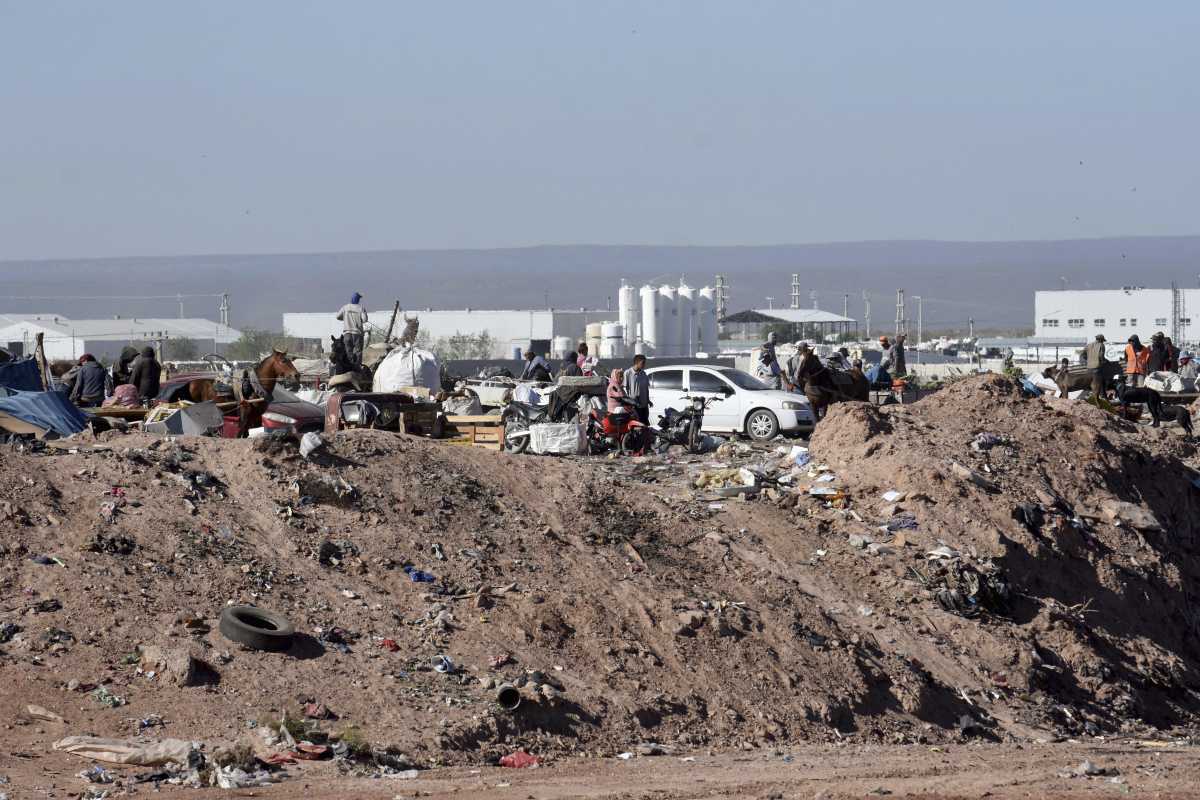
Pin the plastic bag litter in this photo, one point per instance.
(1164, 382)
(310, 443)
(125, 751)
(518, 760)
(408, 366)
(892, 496)
(235, 778)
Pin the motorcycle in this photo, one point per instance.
(685, 427)
(517, 417)
(620, 429)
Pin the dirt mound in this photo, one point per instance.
(1092, 520)
(628, 609)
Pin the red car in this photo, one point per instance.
(285, 413)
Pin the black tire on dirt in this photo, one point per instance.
(256, 628)
(694, 434)
(632, 441)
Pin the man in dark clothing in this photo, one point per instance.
(124, 366)
(570, 367)
(1159, 354)
(146, 374)
(1095, 360)
(536, 368)
(91, 383)
(637, 388)
(899, 361)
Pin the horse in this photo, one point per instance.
(1081, 377)
(340, 365)
(270, 370)
(816, 381)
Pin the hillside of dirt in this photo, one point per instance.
(632, 609)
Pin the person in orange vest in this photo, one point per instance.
(1137, 358)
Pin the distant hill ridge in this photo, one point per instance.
(992, 282)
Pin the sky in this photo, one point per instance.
(151, 128)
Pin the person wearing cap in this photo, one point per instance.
(354, 319)
(1187, 368)
(1095, 360)
(880, 374)
(1137, 356)
(536, 368)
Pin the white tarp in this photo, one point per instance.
(525, 393)
(1164, 382)
(408, 366)
(462, 406)
(559, 438)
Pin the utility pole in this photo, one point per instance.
(770, 303)
(179, 297)
(812, 295)
(846, 306)
(721, 301)
(901, 321)
(795, 290)
(971, 328)
(223, 310)
(867, 312)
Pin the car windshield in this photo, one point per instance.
(744, 380)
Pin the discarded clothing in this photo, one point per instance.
(417, 576)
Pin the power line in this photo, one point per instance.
(103, 297)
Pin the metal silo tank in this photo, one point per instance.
(706, 317)
(627, 311)
(688, 340)
(668, 300)
(651, 317)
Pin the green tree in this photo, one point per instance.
(460, 346)
(258, 342)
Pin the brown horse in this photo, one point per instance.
(269, 371)
(822, 386)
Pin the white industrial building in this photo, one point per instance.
(68, 339)
(1078, 315)
(661, 321)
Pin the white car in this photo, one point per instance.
(744, 403)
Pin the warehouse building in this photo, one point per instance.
(1078, 315)
(67, 339)
(509, 330)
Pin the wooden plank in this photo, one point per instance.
(473, 419)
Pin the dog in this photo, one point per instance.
(1181, 415)
(1134, 395)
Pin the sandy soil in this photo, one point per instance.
(635, 608)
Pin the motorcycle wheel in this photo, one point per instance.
(693, 436)
(520, 442)
(631, 442)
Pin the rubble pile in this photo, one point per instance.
(976, 565)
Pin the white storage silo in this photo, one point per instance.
(593, 336)
(688, 340)
(612, 341)
(627, 310)
(651, 317)
(706, 319)
(668, 303)
(562, 347)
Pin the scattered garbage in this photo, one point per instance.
(310, 444)
(417, 576)
(8, 630)
(968, 474)
(892, 496)
(37, 712)
(518, 760)
(966, 591)
(96, 774)
(441, 664)
(508, 697)
(986, 441)
(104, 697)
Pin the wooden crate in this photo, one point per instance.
(476, 430)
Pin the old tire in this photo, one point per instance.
(256, 628)
(762, 425)
(513, 441)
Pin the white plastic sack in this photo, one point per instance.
(462, 406)
(525, 393)
(318, 397)
(408, 366)
(1164, 382)
(559, 438)
(124, 751)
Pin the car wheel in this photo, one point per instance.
(762, 425)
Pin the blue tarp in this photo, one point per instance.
(51, 410)
(21, 375)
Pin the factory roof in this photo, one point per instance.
(789, 315)
(120, 329)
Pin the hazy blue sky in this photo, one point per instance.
(164, 127)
